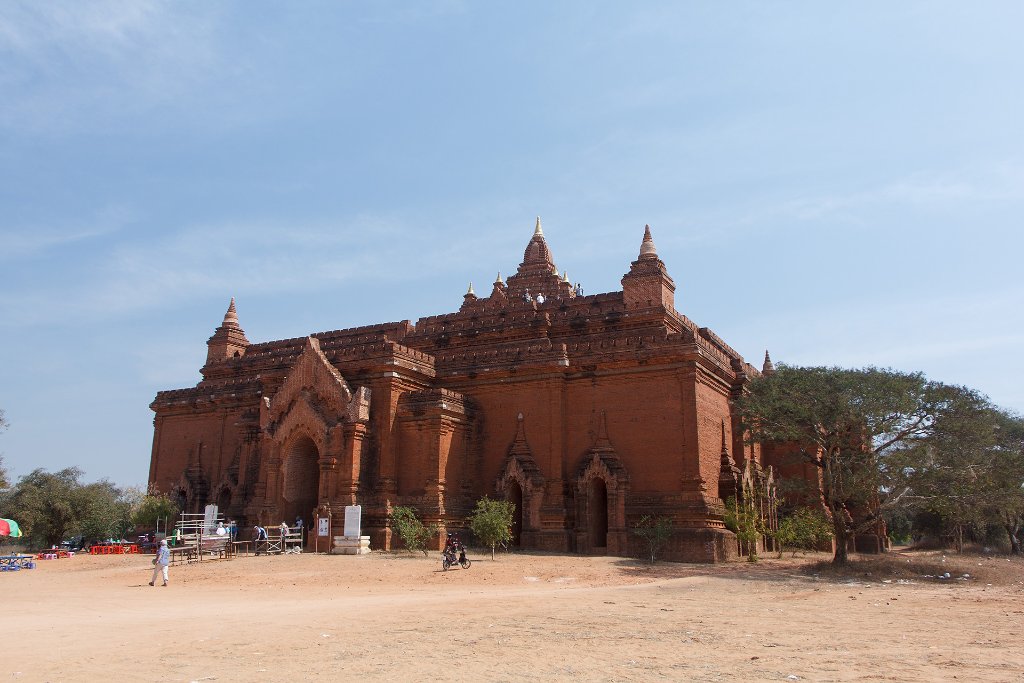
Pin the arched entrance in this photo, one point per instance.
(301, 477)
(180, 498)
(223, 501)
(515, 496)
(597, 513)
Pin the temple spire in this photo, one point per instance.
(537, 274)
(767, 368)
(647, 284)
(231, 316)
(228, 340)
(647, 248)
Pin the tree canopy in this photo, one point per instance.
(852, 425)
(970, 476)
(491, 521)
(413, 532)
(52, 507)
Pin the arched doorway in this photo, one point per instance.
(301, 477)
(597, 513)
(515, 496)
(223, 501)
(180, 497)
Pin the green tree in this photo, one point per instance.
(45, 505)
(1007, 500)
(849, 424)
(154, 507)
(414, 534)
(746, 522)
(491, 521)
(803, 529)
(97, 509)
(655, 532)
(969, 475)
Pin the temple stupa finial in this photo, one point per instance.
(231, 316)
(647, 248)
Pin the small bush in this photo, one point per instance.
(414, 533)
(655, 532)
(804, 529)
(744, 521)
(491, 521)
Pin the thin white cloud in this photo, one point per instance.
(242, 257)
(24, 241)
(933, 191)
(905, 334)
(68, 64)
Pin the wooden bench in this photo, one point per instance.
(239, 547)
(183, 553)
(215, 546)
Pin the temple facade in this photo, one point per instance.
(587, 412)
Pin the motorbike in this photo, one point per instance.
(449, 558)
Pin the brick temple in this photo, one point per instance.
(587, 412)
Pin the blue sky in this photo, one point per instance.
(838, 183)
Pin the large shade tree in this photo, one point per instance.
(848, 424)
(54, 506)
(969, 476)
(46, 505)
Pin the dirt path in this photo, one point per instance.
(521, 618)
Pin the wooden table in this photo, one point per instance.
(240, 547)
(183, 553)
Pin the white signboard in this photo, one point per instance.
(209, 519)
(353, 519)
(323, 526)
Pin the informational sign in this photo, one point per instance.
(353, 520)
(323, 526)
(209, 519)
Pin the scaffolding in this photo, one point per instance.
(199, 536)
(280, 540)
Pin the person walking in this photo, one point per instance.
(161, 561)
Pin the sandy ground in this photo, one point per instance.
(523, 617)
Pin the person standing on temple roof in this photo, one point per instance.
(540, 298)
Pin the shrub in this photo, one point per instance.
(414, 533)
(491, 521)
(804, 529)
(655, 532)
(744, 521)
